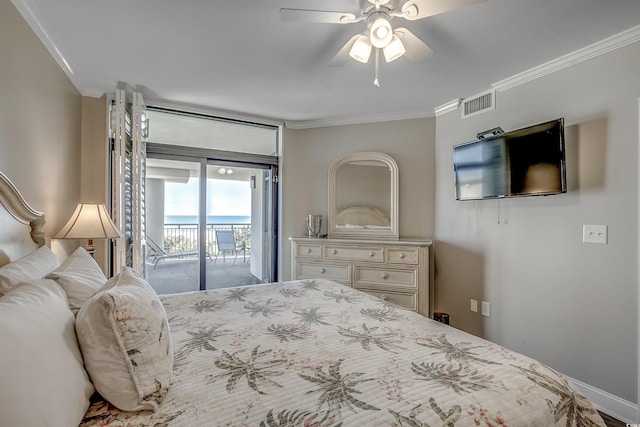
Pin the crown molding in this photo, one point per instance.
(449, 106)
(28, 15)
(355, 120)
(92, 93)
(601, 47)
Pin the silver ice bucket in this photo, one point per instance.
(314, 223)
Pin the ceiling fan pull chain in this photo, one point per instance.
(375, 80)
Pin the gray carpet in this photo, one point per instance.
(181, 275)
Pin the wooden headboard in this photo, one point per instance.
(20, 225)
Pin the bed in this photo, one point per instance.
(297, 353)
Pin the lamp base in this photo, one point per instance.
(89, 247)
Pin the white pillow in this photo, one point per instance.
(42, 380)
(80, 276)
(36, 265)
(124, 337)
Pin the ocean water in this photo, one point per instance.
(211, 219)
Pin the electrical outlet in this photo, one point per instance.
(474, 306)
(594, 234)
(486, 309)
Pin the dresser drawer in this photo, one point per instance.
(403, 299)
(338, 272)
(403, 255)
(308, 250)
(354, 253)
(396, 270)
(365, 275)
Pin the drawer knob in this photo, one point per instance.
(371, 253)
(335, 251)
(402, 255)
(308, 250)
(385, 276)
(323, 270)
(384, 297)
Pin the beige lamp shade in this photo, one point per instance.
(89, 221)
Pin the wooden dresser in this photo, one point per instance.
(394, 270)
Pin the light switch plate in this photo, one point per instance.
(595, 234)
(486, 309)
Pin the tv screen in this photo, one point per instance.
(524, 162)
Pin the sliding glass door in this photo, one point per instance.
(210, 222)
(172, 236)
(211, 198)
(238, 225)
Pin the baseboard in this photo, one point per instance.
(621, 409)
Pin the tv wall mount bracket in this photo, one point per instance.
(491, 132)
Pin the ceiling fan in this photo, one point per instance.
(379, 33)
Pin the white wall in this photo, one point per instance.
(566, 303)
(308, 153)
(40, 114)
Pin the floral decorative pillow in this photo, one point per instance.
(124, 338)
(80, 276)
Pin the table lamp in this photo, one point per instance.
(89, 221)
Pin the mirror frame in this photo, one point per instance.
(361, 233)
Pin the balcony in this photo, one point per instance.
(176, 268)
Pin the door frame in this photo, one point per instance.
(227, 158)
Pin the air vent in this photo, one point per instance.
(478, 104)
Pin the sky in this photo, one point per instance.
(224, 198)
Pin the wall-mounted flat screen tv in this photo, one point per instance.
(524, 162)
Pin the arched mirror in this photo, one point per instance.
(363, 197)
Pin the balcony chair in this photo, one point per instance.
(156, 254)
(226, 240)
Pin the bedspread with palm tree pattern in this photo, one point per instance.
(317, 353)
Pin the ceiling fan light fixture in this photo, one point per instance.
(380, 33)
(394, 50)
(361, 49)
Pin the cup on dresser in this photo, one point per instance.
(313, 225)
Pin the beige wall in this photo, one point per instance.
(308, 153)
(39, 124)
(569, 304)
(94, 163)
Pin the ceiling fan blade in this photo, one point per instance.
(416, 50)
(317, 16)
(419, 9)
(342, 57)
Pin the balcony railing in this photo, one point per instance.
(184, 237)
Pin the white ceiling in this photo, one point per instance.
(239, 56)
